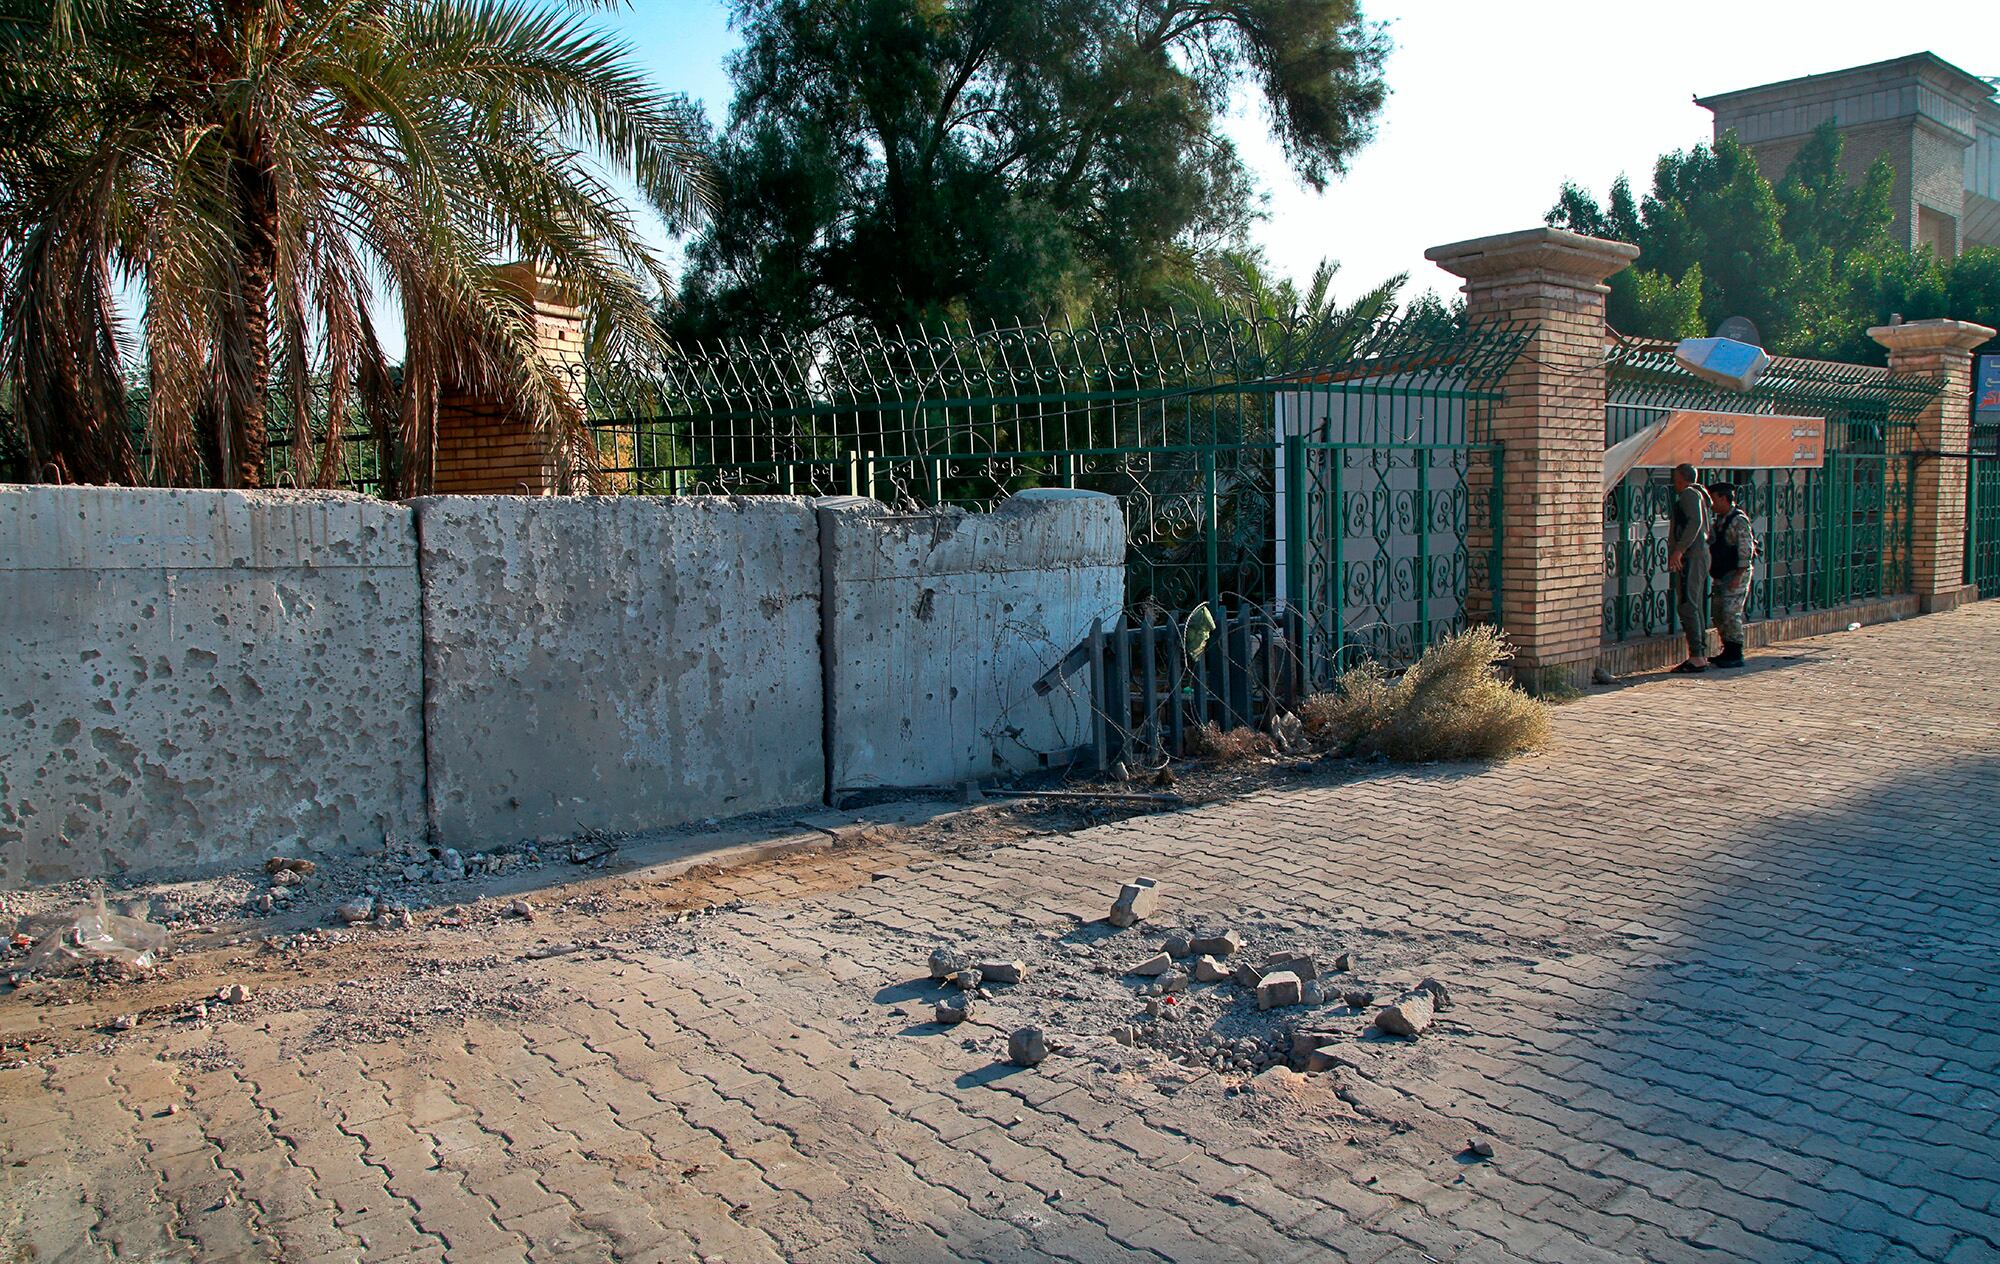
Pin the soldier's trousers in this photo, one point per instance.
(1729, 600)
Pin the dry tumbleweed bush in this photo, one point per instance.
(1233, 747)
(1450, 704)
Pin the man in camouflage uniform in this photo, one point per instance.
(1732, 548)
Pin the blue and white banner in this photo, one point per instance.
(1986, 388)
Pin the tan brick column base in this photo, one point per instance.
(1941, 349)
(1551, 426)
(482, 448)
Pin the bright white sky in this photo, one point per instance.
(1494, 104)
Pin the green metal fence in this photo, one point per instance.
(1185, 419)
(359, 456)
(1827, 536)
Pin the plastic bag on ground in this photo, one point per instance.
(96, 934)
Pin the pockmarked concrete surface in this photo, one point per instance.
(939, 626)
(191, 678)
(618, 663)
(1722, 964)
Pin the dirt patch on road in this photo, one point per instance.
(443, 944)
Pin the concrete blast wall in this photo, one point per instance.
(193, 680)
(939, 624)
(618, 663)
(199, 680)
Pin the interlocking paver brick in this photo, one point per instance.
(1724, 996)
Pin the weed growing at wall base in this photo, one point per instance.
(1450, 704)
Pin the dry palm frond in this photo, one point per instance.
(1450, 704)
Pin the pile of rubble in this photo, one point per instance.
(421, 863)
(1204, 998)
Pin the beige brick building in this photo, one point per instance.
(1938, 125)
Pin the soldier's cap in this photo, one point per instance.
(1722, 487)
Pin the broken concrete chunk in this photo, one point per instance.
(1154, 966)
(1344, 963)
(1302, 964)
(234, 994)
(1247, 975)
(1481, 1147)
(954, 1009)
(1324, 1058)
(1305, 1041)
(1209, 970)
(1173, 981)
(1177, 945)
(1278, 989)
(946, 962)
(1312, 993)
(1360, 998)
(1218, 946)
(285, 864)
(1440, 998)
(965, 980)
(1003, 971)
(356, 911)
(1027, 1046)
(1409, 1016)
(1138, 900)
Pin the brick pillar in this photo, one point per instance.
(1551, 428)
(1940, 349)
(482, 448)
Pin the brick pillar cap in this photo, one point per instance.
(538, 287)
(1931, 335)
(1547, 253)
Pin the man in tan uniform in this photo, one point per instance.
(1687, 558)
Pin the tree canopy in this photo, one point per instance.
(1810, 259)
(896, 160)
(263, 170)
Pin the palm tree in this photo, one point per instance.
(266, 173)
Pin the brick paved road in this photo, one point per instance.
(1724, 958)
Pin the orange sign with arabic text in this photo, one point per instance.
(1738, 441)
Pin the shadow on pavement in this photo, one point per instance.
(1820, 1041)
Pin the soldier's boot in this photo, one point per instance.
(1731, 656)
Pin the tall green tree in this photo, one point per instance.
(1810, 259)
(1711, 224)
(268, 172)
(1916, 285)
(894, 160)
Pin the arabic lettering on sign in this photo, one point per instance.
(1986, 388)
(1738, 441)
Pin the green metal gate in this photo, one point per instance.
(1982, 511)
(1390, 546)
